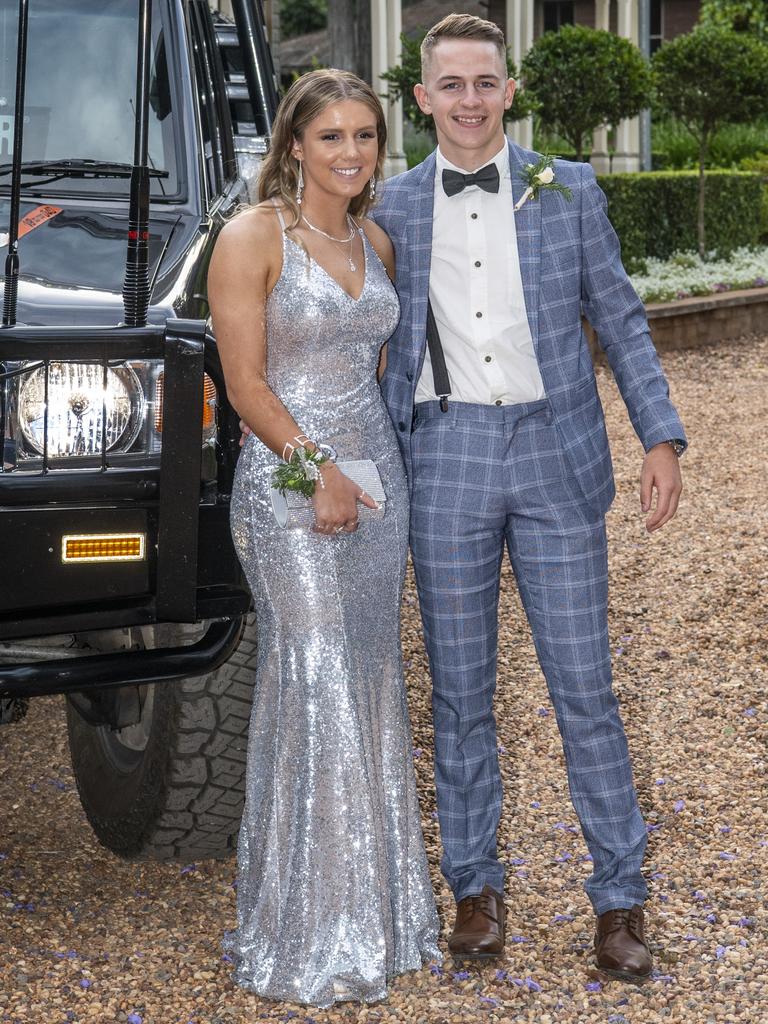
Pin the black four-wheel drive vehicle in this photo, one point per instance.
(129, 132)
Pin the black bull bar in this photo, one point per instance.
(187, 352)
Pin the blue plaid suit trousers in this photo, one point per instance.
(486, 478)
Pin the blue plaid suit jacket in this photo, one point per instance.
(570, 261)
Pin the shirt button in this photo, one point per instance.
(478, 315)
(478, 263)
(488, 359)
(473, 216)
(497, 402)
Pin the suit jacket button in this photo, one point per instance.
(409, 376)
(401, 425)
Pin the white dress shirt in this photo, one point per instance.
(477, 296)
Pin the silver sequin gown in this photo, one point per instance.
(334, 896)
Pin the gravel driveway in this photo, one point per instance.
(86, 937)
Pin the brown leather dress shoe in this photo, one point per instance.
(479, 930)
(621, 949)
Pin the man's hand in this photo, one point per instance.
(245, 430)
(661, 471)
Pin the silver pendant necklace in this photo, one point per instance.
(339, 241)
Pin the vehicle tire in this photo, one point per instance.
(173, 786)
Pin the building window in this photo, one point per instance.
(657, 26)
(557, 13)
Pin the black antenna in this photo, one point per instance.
(136, 285)
(12, 259)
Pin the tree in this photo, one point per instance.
(298, 17)
(349, 24)
(405, 75)
(740, 15)
(706, 79)
(582, 78)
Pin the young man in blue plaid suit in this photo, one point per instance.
(517, 456)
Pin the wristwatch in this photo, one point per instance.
(678, 446)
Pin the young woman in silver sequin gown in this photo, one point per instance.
(334, 896)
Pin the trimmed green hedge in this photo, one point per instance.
(654, 213)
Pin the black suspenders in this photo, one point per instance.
(439, 369)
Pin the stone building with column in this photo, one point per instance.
(523, 21)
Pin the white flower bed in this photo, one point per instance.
(686, 274)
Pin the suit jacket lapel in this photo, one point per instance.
(421, 203)
(528, 229)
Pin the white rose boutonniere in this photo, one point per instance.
(540, 175)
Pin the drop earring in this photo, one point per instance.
(300, 185)
(372, 183)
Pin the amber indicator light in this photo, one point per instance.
(104, 547)
(209, 402)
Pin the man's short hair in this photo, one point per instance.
(461, 26)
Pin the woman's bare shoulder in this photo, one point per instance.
(249, 245)
(380, 241)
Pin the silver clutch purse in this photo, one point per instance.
(293, 511)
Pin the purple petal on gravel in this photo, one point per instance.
(725, 829)
(699, 895)
(593, 986)
(750, 712)
(520, 938)
(437, 970)
(721, 951)
(652, 827)
(586, 856)
(187, 868)
(661, 782)
(666, 978)
(679, 806)
(563, 857)
(535, 804)
(417, 752)
(744, 922)
(461, 975)
(712, 918)
(532, 985)
(501, 975)
(563, 917)
(517, 860)
(543, 712)
(227, 959)
(726, 856)
(134, 1018)
(489, 1000)
(85, 983)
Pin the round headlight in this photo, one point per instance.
(77, 397)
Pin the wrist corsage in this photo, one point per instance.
(538, 176)
(301, 472)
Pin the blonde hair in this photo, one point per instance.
(461, 26)
(308, 97)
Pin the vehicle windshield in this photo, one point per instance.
(81, 92)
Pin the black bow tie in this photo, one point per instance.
(487, 178)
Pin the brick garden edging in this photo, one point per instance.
(703, 319)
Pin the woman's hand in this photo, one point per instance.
(336, 503)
